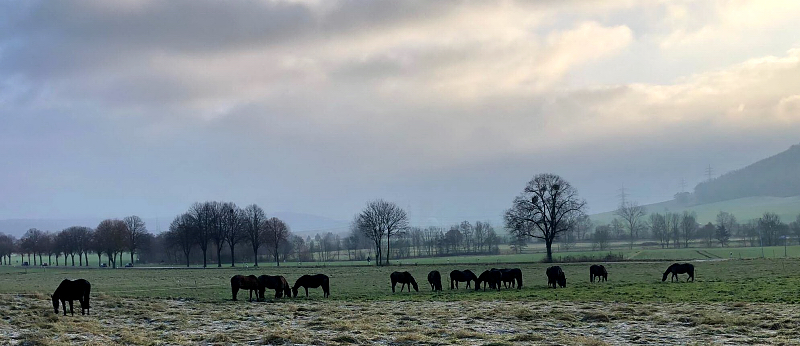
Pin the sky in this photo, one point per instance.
(447, 108)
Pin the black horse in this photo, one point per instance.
(70, 290)
(313, 281)
(249, 282)
(435, 279)
(277, 283)
(679, 268)
(403, 278)
(511, 277)
(457, 276)
(490, 277)
(556, 275)
(599, 271)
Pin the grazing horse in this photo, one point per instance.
(313, 281)
(679, 268)
(249, 282)
(490, 277)
(598, 271)
(404, 278)
(556, 275)
(435, 279)
(511, 277)
(70, 290)
(457, 276)
(277, 283)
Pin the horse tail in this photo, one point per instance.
(519, 281)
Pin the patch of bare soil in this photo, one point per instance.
(30, 321)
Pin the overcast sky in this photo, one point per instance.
(114, 108)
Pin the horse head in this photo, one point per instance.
(666, 273)
(55, 303)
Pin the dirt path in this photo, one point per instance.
(30, 321)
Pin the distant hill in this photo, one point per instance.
(771, 184)
(744, 209)
(776, 176)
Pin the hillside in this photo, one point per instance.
(743, 208)
(776, 176)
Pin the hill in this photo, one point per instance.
(744, 209)
(776, 176)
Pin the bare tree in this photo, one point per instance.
(633, 215)
(674, 226)
(6, 248)
(601, 237)
(254, 218)
(181, 234)
(205, 217)
(136, 229)
(480, 235)
(275, 234)
(467, 231)
(770, 226)
(31, 242)
(111, 235)
(728, 220)
(658, 226)
(548, 206)
(233, 221)
(688, 226)
(381, 218)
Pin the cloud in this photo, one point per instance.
(355, 100)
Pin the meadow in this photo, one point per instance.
(753, 301)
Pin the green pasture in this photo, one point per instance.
(756, 280)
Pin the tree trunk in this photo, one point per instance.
(205, 261)
(131, 257)
(99, 260)
(187, 259)
(388, 249)
(219, 256)
(277, 261)
(549, 244)
(73, 259)
(255, 256)
(233, 260)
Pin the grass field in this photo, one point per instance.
(753, 301)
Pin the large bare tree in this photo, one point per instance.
(136, 230)
(633, 215)
(254, 218)
(688, 226)
(381, 218)
(205, 217)
(181, 234)
(110, 235)
(275, 234)
(233, 222)
(547, 206)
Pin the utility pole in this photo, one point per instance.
(709, 172)
(622, 195)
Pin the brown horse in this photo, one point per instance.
(457, 276)
(277, 283)
(511, 277)
(70, 290)
(435, 279)
(598, 271)
(313, 281)
(556, 275)
(490, 277)
(404, 278)
(249, 282)
(679, 268)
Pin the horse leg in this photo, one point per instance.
(64, 306)
(234, 291)
(70, 308)
(306, 291)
